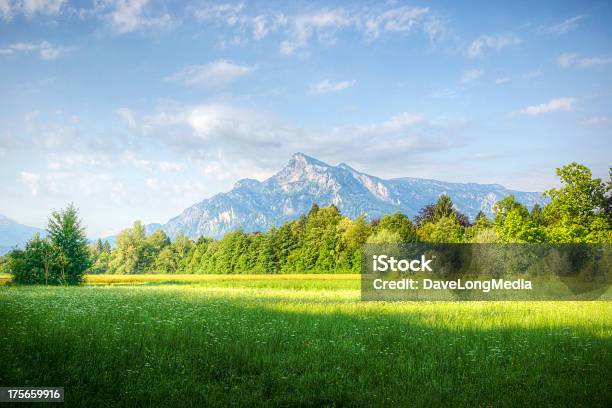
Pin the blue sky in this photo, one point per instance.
(138, 109)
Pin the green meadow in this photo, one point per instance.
(300, 340)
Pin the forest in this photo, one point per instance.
(321, 241)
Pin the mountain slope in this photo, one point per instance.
(256, 206)
(14, 234)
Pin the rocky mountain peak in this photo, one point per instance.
(302, 168)
(257, 206)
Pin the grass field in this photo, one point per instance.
(301, 340)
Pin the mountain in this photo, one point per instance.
(13, 234)
(256, 206)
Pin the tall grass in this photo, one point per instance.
(305, 341)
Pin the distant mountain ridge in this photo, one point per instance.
(256, 206)
(13, 234)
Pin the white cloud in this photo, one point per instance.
(435, 27)
(495, 42)
(324, 24)
(565, 60)
(325, 86)
(559, 104)
(213, 74)
(31, 181)
(32, 7)
(573, 59)
(123, 16)
(29, 8)
(596, 120)
(320, 24)
(6, 10)
(45, 50)
(566, 25)
(401, 19)
(500, 81)
(126, 16)
(471, 75)
(49, 52)
(229, 13)
(23, 47)
(260, 27)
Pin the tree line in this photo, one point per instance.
(322, 241)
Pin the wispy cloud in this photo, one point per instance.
(297, 31)
(436, 27)
(322, 23)
(596, 120)
(229, 13)
(495, 42)
(126, 16)
(44, 49)
(214, 74)
(500, 81)
(326, 86)
(566, 60)
(471, 75)
(29, 8)
(261, 28)
(559, 104)
(573, 59)
(566, 26)
(6, 10)
(401, 19)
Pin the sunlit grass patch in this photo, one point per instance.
(302, 341)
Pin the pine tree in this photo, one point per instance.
(70, 244)
(443, 207)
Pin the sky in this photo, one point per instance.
(139, 109)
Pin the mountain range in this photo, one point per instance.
(13, 234)
(258, 205)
